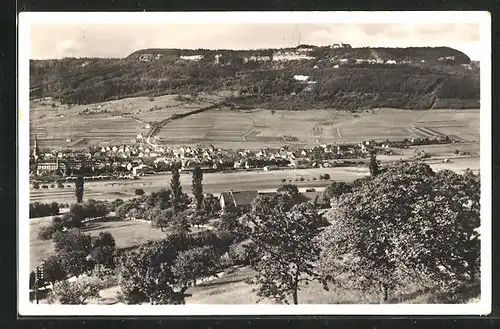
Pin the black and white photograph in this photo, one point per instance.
(239, 163)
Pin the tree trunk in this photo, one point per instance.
(295, 289)
(385, 291)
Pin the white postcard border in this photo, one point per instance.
(26, 19)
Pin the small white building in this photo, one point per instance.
(302, 78)
(258, 58)
(194, 58)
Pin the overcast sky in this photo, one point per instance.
(119, 40)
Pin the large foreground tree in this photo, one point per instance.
(146, 273)
(284, 234)
(406, 223)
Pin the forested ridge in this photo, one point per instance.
(421, 78)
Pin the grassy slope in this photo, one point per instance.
(126, 233)
(234, 289)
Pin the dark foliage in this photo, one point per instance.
(79, 188)
(38, 209)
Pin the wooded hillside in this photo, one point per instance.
(351, 78)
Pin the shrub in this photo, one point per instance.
(196, 263)
(46, 232)
(242, 253)
(115, 204)
(38, 209)
(78, 292)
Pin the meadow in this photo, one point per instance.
(127, 234)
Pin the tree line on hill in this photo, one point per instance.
(412, 87)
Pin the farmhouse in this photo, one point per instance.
(47, 166)
(239, 199)
(190, 166)
(141, 169)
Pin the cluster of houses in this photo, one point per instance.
(139, 158)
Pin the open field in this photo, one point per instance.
(113, 122)
(220, 182)
(126, 233)
(117, 122)
(262, 128)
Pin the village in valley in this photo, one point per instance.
(281, 176)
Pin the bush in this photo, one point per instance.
(38, 209)
(78, 292)
(46, 232)
(242, 253)
(115, 204)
